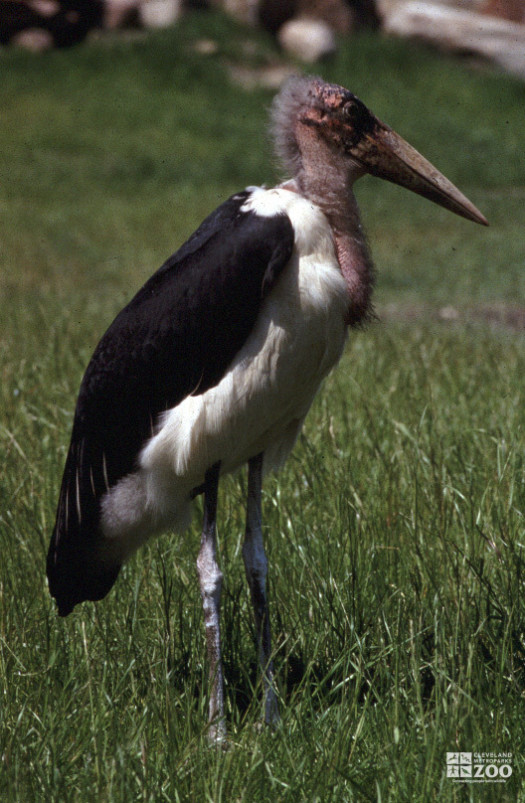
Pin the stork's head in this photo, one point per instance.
(312, 117)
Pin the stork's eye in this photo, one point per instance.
(353, 110)
(358, 115)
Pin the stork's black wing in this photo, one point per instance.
(176, 337)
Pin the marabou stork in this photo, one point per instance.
(216, 360)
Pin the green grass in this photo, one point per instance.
(395, 533)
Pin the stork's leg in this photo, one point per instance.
(256, 566)
(210, 578)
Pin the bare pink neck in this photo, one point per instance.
(333, 194)
(355, 263)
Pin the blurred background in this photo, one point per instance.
(395, 532)
(306, 29)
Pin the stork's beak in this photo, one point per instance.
(384, 153)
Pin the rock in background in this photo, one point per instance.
(307, 39)
(470, 27)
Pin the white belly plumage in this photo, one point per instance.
(261, 402)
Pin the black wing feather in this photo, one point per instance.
(176, 337)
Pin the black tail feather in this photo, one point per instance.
(77, 573)
(77, 569)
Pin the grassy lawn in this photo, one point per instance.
(396, 531)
